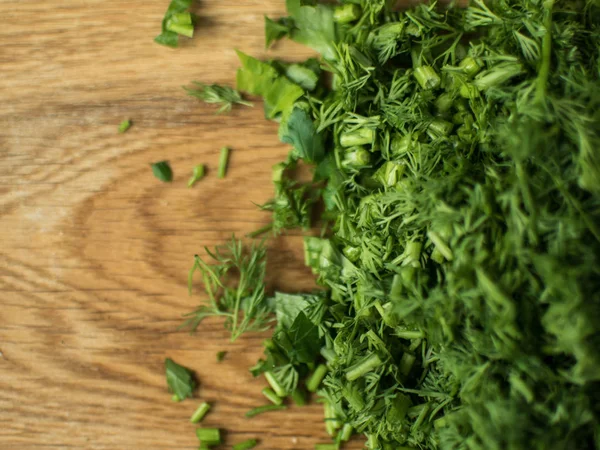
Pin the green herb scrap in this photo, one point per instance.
(180, 380)
(124, 126)
(217, 94)
(243, 304)
(162, 171)
(177, 21)
(197, 174)
(455, 154)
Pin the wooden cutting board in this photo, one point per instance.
(95, 251)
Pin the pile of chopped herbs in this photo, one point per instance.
(456, 155)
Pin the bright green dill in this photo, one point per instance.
(224, 96)
(455, 155)
(162, 170)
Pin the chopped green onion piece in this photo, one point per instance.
(299, 397)
(346, 433)
(200, 413)
(263, 409)
(365, 366)
(272, 396)
(347, 13)
(181, 23)
(197, 175)
(210, 436)
(223, 161)
(362, 136)
(246, 445)
(427, 77)
(124, 126)
(162, 171)
(279, 390)
(312, 384)
(406, 363)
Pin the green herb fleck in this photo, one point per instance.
(162, 171)
(180, 380)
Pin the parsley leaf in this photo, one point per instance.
(180, 380)
(314, 27)
(277, 29)
(299, 130)
(162, 171)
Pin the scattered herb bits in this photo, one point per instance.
(224, 96)
(263, 409)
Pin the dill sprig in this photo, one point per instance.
(224, 96)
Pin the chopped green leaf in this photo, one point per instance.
(162, 171)
(277, 29)
(299, 130)
(180, 380)
(177, 20)
(221, 356)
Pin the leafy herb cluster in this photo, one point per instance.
(457, 156)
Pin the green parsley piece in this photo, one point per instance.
(177, 21)
(162, 171)
(180, 380)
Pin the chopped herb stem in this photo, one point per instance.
(246, 445)
(223, 162)
(200, 413)
(313, 383)
(272, 396)
(263, 409)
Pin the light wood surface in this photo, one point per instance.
(94, 251)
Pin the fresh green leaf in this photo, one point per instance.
(180, 380)
(300, 132)
(277, 29)
(162, 171)
(124, 126)
(314, 27)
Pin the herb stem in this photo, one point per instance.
(263, 409)
(365, 366)
(544, 69)
(272, 396)
(210, 436)
(223, 162)
(200, 413)
(246, 445)
(315, 379)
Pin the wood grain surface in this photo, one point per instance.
(94, 251)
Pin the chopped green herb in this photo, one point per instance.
(180, 380)
(217, 94)
(162, 171)
(223, 161)
(264, 409)
(200, 413)
(246, 445)
(177, 20)
(209, 436)
(272, 396)
(455, 156)
(221, 356)
(197, 175)
(124, 126)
